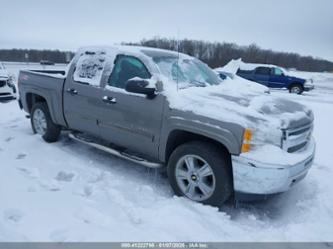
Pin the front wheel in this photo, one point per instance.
(200, 172)
(42, 123)
(296, 88)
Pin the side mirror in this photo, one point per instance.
(140, 86)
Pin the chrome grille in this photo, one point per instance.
(297, 138)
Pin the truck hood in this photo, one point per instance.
(241, 104)
(296, 79)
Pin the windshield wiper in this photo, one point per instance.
(198, 83)
(193, 83)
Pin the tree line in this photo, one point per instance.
(217, 54)
(34, 55)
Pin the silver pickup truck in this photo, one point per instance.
(217, 139)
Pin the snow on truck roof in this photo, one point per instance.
(134, 50)
(92, 60)
(234, 65)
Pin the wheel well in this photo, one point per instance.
(179, 137)
(295, 84)
(33, 98)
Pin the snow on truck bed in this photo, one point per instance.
(70, 192)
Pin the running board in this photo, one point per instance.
(117, 153)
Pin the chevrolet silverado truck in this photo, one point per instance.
(275, 77)
(216, 139)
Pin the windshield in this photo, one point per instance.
(187, 72)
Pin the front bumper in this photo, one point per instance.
(308, 87)
(7, 98)
(7, 92)
(254, 177)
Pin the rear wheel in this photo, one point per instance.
(200, 172)
(42, 123)
(296, 88)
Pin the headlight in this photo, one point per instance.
(308, 82)
(9, 83)
(254, 137)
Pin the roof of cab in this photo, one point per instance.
(127, 48)
(147, 51)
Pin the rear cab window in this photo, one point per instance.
(89, 68)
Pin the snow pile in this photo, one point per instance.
(231, 67)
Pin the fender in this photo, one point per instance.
(227, 134)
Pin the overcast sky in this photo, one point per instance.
(302, 26)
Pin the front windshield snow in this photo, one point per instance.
(187, 72)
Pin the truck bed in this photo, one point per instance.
(46, 83)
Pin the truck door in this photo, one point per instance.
(82, 102)
(277, 78)
(261, 75)
(130, 120)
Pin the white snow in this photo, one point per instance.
(89, 67)
(69, 192)
(233, 65)
(243, 102)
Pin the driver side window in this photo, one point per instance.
(262, 71)
(125, 68)
(278, 71)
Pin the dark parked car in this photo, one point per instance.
(7, 86)
(46, 62)
(275, 77)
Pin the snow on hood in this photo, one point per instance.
(266, 115)
(244, 84)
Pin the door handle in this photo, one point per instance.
(109, 100)
(72, 91)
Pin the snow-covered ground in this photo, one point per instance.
(66, 191)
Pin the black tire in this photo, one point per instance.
(296, 88)
(52, 131)
(218, 160)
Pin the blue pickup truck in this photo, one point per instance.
(275, 77)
